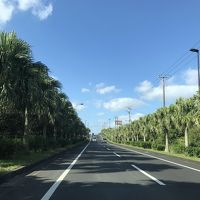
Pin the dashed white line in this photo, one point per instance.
(33, 173)
(53, 188)
(162, 159)
(117, 154)
(151, 177)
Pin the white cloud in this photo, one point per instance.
(122, 104)
(6, 11)
(27, 4)
(144, 86)
(38, 8)
(78, 106)
(190, 76)
(136, 116)
(107, 89)
(173, 90)
(43, 12)
(101, 88)
(84, 90)
(125, 118)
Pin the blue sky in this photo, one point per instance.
(108, 54)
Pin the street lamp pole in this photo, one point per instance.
(197, 51)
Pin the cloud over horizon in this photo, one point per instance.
(122, 104)
(39, 8)
(174, 90)
(101, 88)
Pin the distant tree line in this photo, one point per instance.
(175, 128)
(34, 113)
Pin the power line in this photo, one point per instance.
(185, 59)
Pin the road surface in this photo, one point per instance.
(100, 171)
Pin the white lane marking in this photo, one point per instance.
(168, 161)
(52, 189)
(34, 173)
(117, 154)
(108, 149)
(151, 177)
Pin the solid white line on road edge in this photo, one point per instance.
(52, 189)
(117, 154)
(174, 163)
(151, 177)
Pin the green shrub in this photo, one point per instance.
(145, 145)
(159, 147)
(7, 148)
(178, 148)
(193, 151)
(36, 143)
(64, 142)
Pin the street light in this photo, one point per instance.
(197, 51)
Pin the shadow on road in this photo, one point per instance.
(100, 175)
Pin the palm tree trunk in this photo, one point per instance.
(45, 131)
(144, 138)
(137, 138)
(186, 137)
(25, 126)
(55, 134)
(166, 142)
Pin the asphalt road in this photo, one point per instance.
(102, 171)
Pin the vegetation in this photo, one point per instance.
(175, 128)
(35, 115)
(23, 159)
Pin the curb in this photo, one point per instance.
(6, 177)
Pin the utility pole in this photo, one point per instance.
(129, 120)
(163, 78)
(116, 118)
(129, 115)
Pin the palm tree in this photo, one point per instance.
(186, 117)
(15, 62)
(163, 122)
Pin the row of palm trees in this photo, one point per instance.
(31, 101)
(178, 123)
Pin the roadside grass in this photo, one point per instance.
(160, 152)
(24, 159)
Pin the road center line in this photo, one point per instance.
(117, 154)
(151, 177)
(168, 161)
(53, 188)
